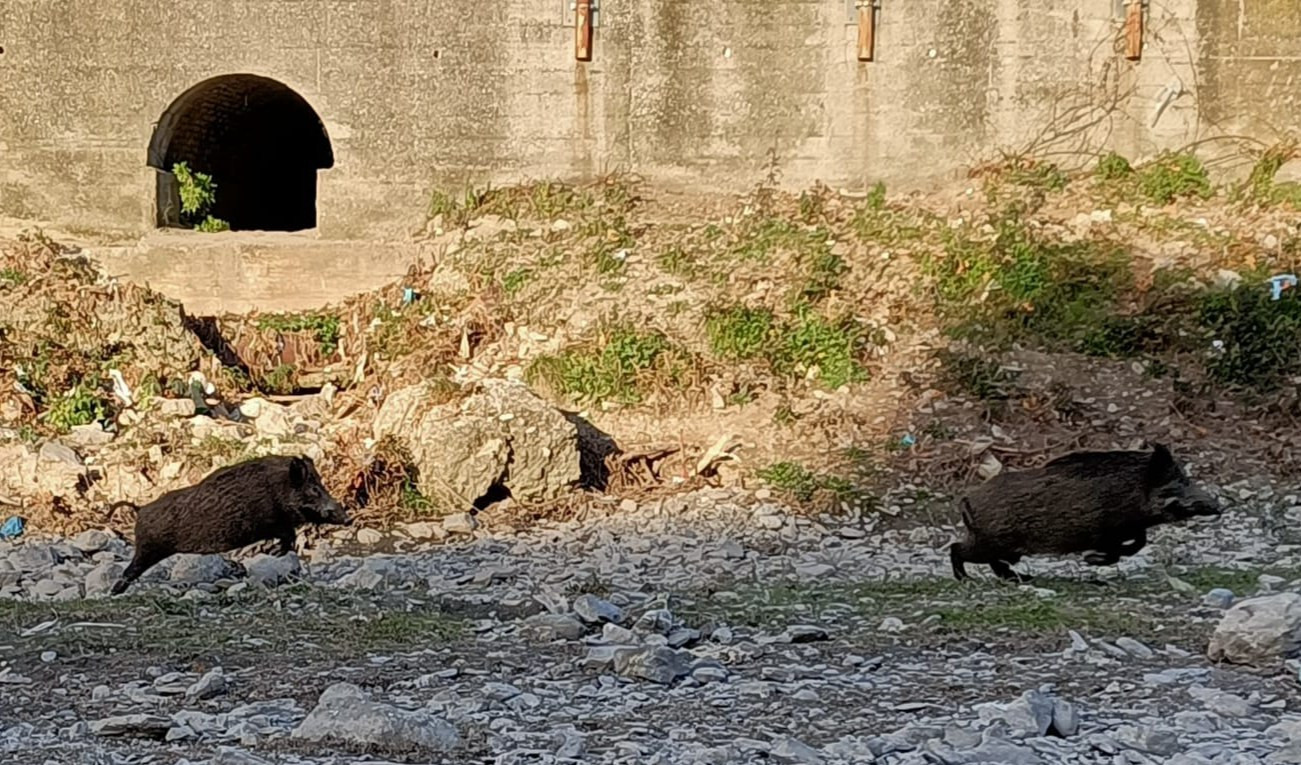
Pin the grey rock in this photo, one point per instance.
(1258, 631)
(553, 627)
(53, 451)
(658, 664)
(1029, 716)
(501, 434)
(1153, 740)
(133, 725)
(657, 621)
(1218, 598)
(203, 569)
(228, 755)
(803, 633)
(1066, 720)
(273, 570)
(346, 713)
(460, 523)
(212, 683)
(92, 541)
(101, 578)
(787, 749)
(594, 610)
(1134, 648)
(613, 633)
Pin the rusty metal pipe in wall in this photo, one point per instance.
(866, 29)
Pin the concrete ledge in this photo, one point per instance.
(212, 274)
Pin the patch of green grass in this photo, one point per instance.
(12, 277)
(941, 609)
(1173, 176)
(305, 621)
(516, 280)
(616, 371)
(833, 346)
(803, 484)
(325, 327)
(740, 332)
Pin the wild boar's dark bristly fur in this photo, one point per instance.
(235, 506)
(1100, 504)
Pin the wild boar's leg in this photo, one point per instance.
(1102, 557)
(144, 559)
(1004, 571)
(287, 540)
(955, 558)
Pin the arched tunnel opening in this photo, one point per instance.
(261, 143)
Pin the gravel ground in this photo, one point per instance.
(711, 628)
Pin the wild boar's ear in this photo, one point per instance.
(1159, 464)
(297, 471)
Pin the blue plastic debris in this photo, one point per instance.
(908, 439)
(408, 295)
(12, 528)
(1279, 283)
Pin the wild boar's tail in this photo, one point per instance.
(965, 507)
(113, 508)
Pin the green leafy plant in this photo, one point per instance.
(198, 192)
(1172, 176)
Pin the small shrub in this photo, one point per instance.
(975, 375)
(1260, 186)
(1113, 167)
(80, 405)
(1256, 338)
(1172, 176)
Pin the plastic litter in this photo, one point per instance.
(12, 528)
(408, 295)
(1281, 282)
(908, 439)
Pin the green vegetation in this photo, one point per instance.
(325, 327)
(81, 404)
(12, 277)
(1172, 176)
(305, 621)
(619, 369)
(198, 192)
(791, 347)
(1113, 167)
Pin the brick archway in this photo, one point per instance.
(260, 141)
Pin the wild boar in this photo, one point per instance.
(235, 506)
(1098, 503)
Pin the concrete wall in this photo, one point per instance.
(417, 93)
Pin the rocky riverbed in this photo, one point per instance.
(711, 628)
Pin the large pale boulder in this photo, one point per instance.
(1259, 631)
(501, 435)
